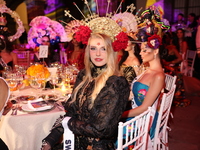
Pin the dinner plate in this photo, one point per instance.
(25, 98)
(27, 108)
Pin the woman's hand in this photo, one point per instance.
(45, 146)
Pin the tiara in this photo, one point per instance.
(43, 26)
(13, 14)
(93, 23)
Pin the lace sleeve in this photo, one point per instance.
(102, 120)
(57, 129)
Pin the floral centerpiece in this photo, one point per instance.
(38, 70)
(37, 75)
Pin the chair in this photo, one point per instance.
(169, 81)
(4, 94)
(136, 132)
(24, 58)
(160, 141)
(187, 66)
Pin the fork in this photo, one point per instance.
(13, 110)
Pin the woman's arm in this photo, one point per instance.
(14, 58)
(184, 49)
(155, 88)
(178, 57)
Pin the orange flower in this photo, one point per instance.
(38, 70)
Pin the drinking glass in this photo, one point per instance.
(54, 80)
(12, 82)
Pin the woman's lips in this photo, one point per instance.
(98, 59)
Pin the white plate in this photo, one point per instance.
(27, 108)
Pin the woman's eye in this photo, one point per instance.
(92, 48)
(103, 49)
(144, 50)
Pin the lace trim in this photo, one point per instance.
(58, 122)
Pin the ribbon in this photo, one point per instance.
(68, 135)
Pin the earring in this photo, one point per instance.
(154, 56)
(133, 48)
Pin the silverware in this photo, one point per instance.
(13, 110)
(59, 106)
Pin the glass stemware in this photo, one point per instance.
(12, 82)
(54, 80)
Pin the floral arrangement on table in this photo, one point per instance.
(39, 71)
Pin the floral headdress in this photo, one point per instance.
(43, 26)
(3, 22)
(150, 30)
(104, 25)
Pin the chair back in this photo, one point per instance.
(136, 132)
(169, 81)
(188, 67)
(160, 140)
(4, 94)
(24, 58)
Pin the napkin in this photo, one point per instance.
(38, 105)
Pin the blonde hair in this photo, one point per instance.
(110, 69)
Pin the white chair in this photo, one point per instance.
(4, 94)
(187, 66)
(169, 81)
(160, 140)
(136, 132)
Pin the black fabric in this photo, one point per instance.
(128, 72)
(97, 126)
(3, 146)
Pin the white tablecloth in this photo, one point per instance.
(25, 131)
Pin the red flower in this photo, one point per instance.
(83, 34)
(121, 42)
(154, 41)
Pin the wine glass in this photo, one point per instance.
(12, 82)
(34, 83)
(54, 79)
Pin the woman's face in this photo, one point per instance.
(45, 41)
(179, 33)
(146, 53)
(129, 46)
(98, 52)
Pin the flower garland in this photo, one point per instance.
(13, 14)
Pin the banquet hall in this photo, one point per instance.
(23, 128)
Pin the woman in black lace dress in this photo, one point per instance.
(97, 102)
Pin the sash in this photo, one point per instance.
(3, 64)
(68, 143)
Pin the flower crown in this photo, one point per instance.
(43, 26)
(13, 14)
(104, 25)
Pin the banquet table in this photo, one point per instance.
(26, 130)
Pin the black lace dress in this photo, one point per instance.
(95, 128)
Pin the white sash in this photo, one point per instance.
(68, 135)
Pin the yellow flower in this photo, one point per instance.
(38, 70)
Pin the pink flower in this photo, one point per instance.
(142, 91)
